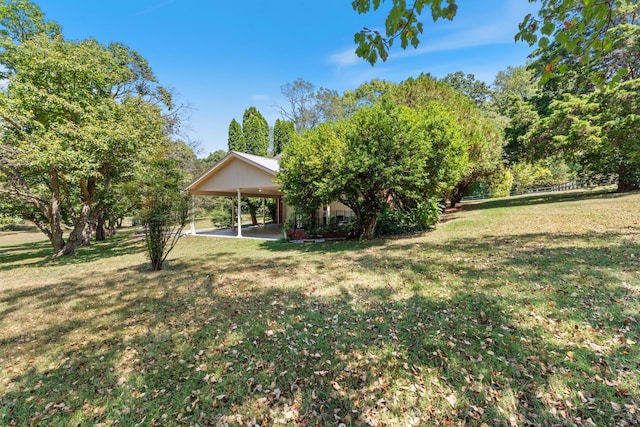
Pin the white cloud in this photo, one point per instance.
(345, 58)
(462, 39)
(261, 98)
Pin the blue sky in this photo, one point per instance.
(221, 57)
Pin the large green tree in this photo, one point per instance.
(283, 131)
(309, 107)
(252, 138)
(75, 118)
(366, 94)
(477, 90)
(383, 155)
(598, 133)
(482, 137)
(255, 132)
(236, 138)
(515, 83)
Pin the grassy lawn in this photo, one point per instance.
(520, 311)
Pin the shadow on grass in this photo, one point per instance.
(582, 283)
(183, 347)
(23, 253)
(542, 198)
(40, 254)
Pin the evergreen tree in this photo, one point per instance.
(283, 131)
(236, 138)
(255, 130)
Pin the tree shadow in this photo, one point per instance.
(22, 253)
(558, 270)
(542, 198)
(40, 254)
(182, 347)
(325, 247)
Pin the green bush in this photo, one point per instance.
(221, 217)
(420, 218)
(425, 215)
(10, 223)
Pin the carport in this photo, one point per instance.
(241, 175)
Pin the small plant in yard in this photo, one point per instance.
(164, 215)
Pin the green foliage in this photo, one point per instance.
(236, 140)
(402, 22)
(283, 131)
(575, 31)
(20, 20)
(163, 207)
(528, 175)
(541, 173)
(77, 117)
(255, 131)
(306, 168)
(587, 34)
(383, 155)
(481, 129)
(480, 132)
(221, 218)
(522, 117)
(513, 85)
(477, 90)
(425, 215)
(366, 94)
(164, 214)
(214, 158)
(392, 222)
(597, 133)
(501, 184)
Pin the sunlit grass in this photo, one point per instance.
(514, 311)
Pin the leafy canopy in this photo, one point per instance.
(384, 155)
(580, 28)
(76, 117)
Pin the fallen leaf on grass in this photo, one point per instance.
(452, 400)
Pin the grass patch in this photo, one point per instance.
(514, 312)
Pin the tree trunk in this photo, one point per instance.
(86, 233)
(80, 222)
(626, 181)
(76, 237)
(369, 228)
(55, 214)
(370, 217)
(101, 232)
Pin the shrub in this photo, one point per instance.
(164, 215)
(221, 217)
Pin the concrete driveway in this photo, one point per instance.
(262, 232)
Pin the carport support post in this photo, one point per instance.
(193, 215)
(239, 215)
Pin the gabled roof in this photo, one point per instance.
(252, 174)
(267, 163)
